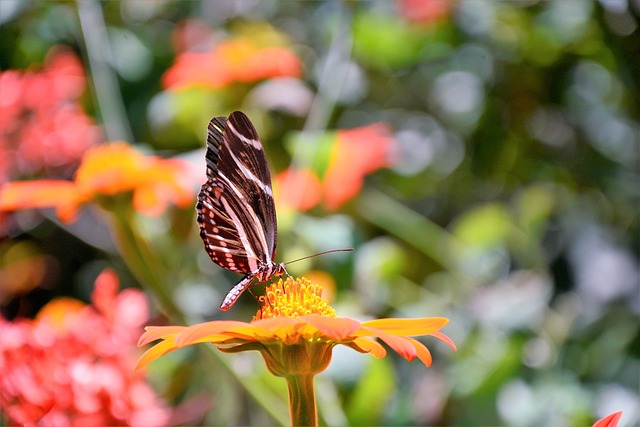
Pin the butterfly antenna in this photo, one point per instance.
(320, 253)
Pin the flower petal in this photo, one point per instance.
(408, 327)
(285, 328)
(336, 328)
(297, 189)
(366, 345)
(609, 421)
(37, 194)
(200, 332)
(248, 346)
(155, 352)
(446, 339)
(423, 352)
(153, 333)
(400, 345)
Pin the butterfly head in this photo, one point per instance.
(270, 270)
(280, 270)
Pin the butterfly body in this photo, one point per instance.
(235, 208)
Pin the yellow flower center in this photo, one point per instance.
(291, 298)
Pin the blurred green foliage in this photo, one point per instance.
(511, 205)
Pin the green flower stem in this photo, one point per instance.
(302, 400)
(142, 261)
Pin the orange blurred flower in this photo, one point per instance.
(105, 172)
(72, 364)
(609, 421)
(234, 60)
(295, 331)
(424, 12)
(43, 128)
(299, 188)
(355, 153)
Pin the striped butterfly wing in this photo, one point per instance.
(236, 212)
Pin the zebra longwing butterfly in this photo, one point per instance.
(236, 212)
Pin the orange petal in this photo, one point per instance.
(446, 339)
(110, 168)
(374, 348)
(408, 327)
(609, 421)
(251, 332)
(153, 333)
(357, 153)
(297, 188)
(336, 328)
(37, 194)
(286, 329)
(274, 323)
(68, 212)
(147, 200)
(155, 352)
(423, 352)
(199, 332)
(59, 312)
(400, 345)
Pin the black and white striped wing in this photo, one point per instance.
(236, 212)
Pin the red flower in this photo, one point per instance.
(233, 60)
(355, 153)
(72, 365)
(43, 129)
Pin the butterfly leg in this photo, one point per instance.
(236, 291)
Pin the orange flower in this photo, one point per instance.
(357, 153)
(299, 188)
(105, 172)
(609, 421)
(424, 12)
(234, 60)
(354, 154)
(296, 330)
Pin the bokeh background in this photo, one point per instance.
(480, 156)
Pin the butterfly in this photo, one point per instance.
(235, 208)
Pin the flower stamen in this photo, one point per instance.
(291, 298)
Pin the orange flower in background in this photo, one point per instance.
(355, 154)
(234, 60)
(295, 331)
(609, 421)
(43, 128)
(299, 188)
(72, 364)
(104, 173)
(424, 12)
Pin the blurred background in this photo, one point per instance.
(481, 157)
